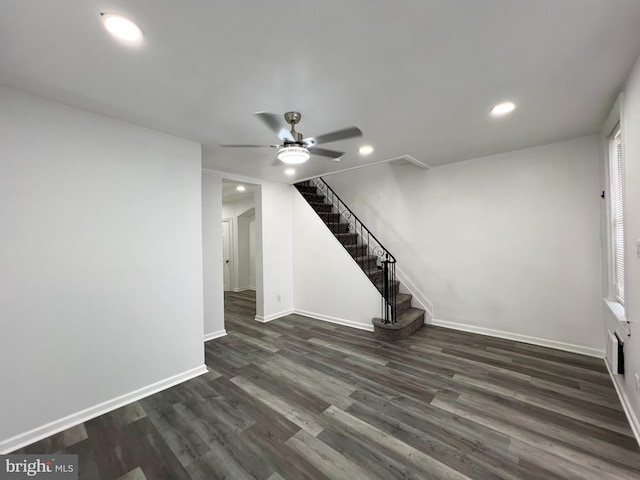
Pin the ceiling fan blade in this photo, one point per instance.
(240, 145)
(323, 152)
(276, 125)
(349, 132)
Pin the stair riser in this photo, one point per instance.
(347, 238)
(367, 263)
(330, 217)
(313, 197)
(321, 207)
(402, 307)
(307, 189)
(338, 227)
(356, 250)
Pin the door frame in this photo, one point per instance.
(232, 252)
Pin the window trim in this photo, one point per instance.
(614, 121)
(619, 169)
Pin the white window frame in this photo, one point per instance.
(616, 207)
(614, 121)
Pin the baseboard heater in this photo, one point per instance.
(615, 353)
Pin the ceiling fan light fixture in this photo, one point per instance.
(293, 155)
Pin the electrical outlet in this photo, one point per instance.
(638, 248)
(279, 298)
(637, 377)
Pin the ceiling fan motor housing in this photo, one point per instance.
(292, 118)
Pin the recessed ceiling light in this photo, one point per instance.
(503, 109)
(240, 188)
(290, 171)
(121, 27)
(365, 150)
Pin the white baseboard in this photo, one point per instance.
(542, 342)
(214, 335)
(624, 400)
(339, 321)
(243, 289)
(273, 316)
(44, 431)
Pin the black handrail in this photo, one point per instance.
(374, 259)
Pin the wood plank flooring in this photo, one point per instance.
(302, 399)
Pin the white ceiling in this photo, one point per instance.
(230, 194)
(418, 77)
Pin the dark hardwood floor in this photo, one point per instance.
(302, 399)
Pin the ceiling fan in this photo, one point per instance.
(295, 148)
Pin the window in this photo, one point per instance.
(616, 203)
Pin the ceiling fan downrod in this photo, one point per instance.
(293, 118)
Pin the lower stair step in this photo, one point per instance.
(403, 303)
(407, 323)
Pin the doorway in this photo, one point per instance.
(240, 245)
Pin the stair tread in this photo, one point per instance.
(395, 282)
(314, 196)
(346, 235)
(411, 314)
(403, 297)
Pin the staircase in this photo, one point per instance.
(398, 318)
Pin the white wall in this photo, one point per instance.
(507, 244)
(274, 261)
(212, 254)
(631, 136)
(100, 264)
(328, 284)
(246, 249)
